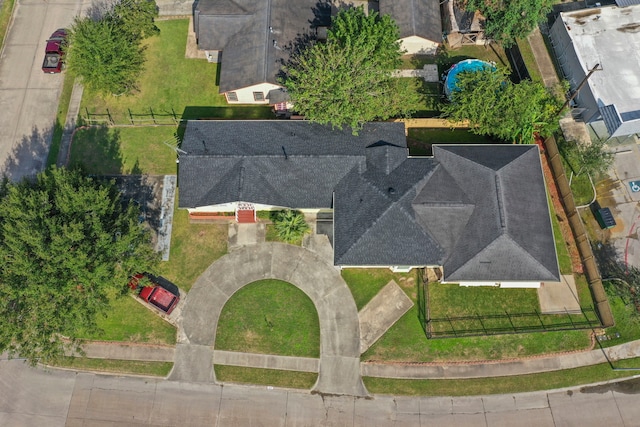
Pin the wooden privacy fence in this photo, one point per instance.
(577, 228)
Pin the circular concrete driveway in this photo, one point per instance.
(339, 371)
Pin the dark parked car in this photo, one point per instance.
(162, 294)
(54, 52)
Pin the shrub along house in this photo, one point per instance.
(251, 39)
(477, 211)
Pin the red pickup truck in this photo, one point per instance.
(162, 294)
(54, 53)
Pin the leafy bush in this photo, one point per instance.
(290, 225)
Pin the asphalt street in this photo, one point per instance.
(28, 96)
(35, 397)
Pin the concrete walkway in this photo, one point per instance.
(501, 368)
(461, 370)
(70, 125)
(339, 371)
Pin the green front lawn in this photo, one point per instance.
(128, 320)
(270, 317)
(194, 247)
(133, 150)
(171, 84)
(406, 341)
(365, 283)
(484, 307)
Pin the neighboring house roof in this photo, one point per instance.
(478, 210)
(608, 36)
(255, 36)
(415, 17)
(245, 32)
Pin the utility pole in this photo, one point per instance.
(582, 83)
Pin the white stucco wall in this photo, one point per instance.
(231, 207)
(528, 285)
(418, 45)
(245, 95)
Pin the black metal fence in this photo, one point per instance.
(145, 118)
(500, 323)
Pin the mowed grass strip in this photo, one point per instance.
(128, 320)
(501, 385)
(157, 369)
(171, 83)
(364, 284)
(269, 317)
(103, 150)
(272, 377)
(421, 140)
(194, 247)
(61, 118)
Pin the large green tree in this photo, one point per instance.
(68, 244)
(347, 80)
(106, 52)
(508, 20)
(104, 57)
(495, 106)
(136, 18)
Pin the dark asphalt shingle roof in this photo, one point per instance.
(374, 223)
(415, 17)
(245, 31)
(277, 162)
(508, 235)
(480, 211)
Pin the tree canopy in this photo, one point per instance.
(495, 106)
(347, 81)
(136, 18)
(107, 52)
(68, 245)
(508, 20)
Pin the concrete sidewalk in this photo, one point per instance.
(460, 370)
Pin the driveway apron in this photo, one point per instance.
(339, 329)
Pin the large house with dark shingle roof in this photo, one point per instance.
(478, 211)
(252, 38)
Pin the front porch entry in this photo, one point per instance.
(245, 213)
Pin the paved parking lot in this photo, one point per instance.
(622, 194)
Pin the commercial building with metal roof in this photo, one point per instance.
(607, 41)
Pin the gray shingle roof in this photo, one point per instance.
(415, 17)
(508, 236)
(480, 211)
(277, 162)
(245, 31)
(374, 223)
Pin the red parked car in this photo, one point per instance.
(54, 53)
(162, 294)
